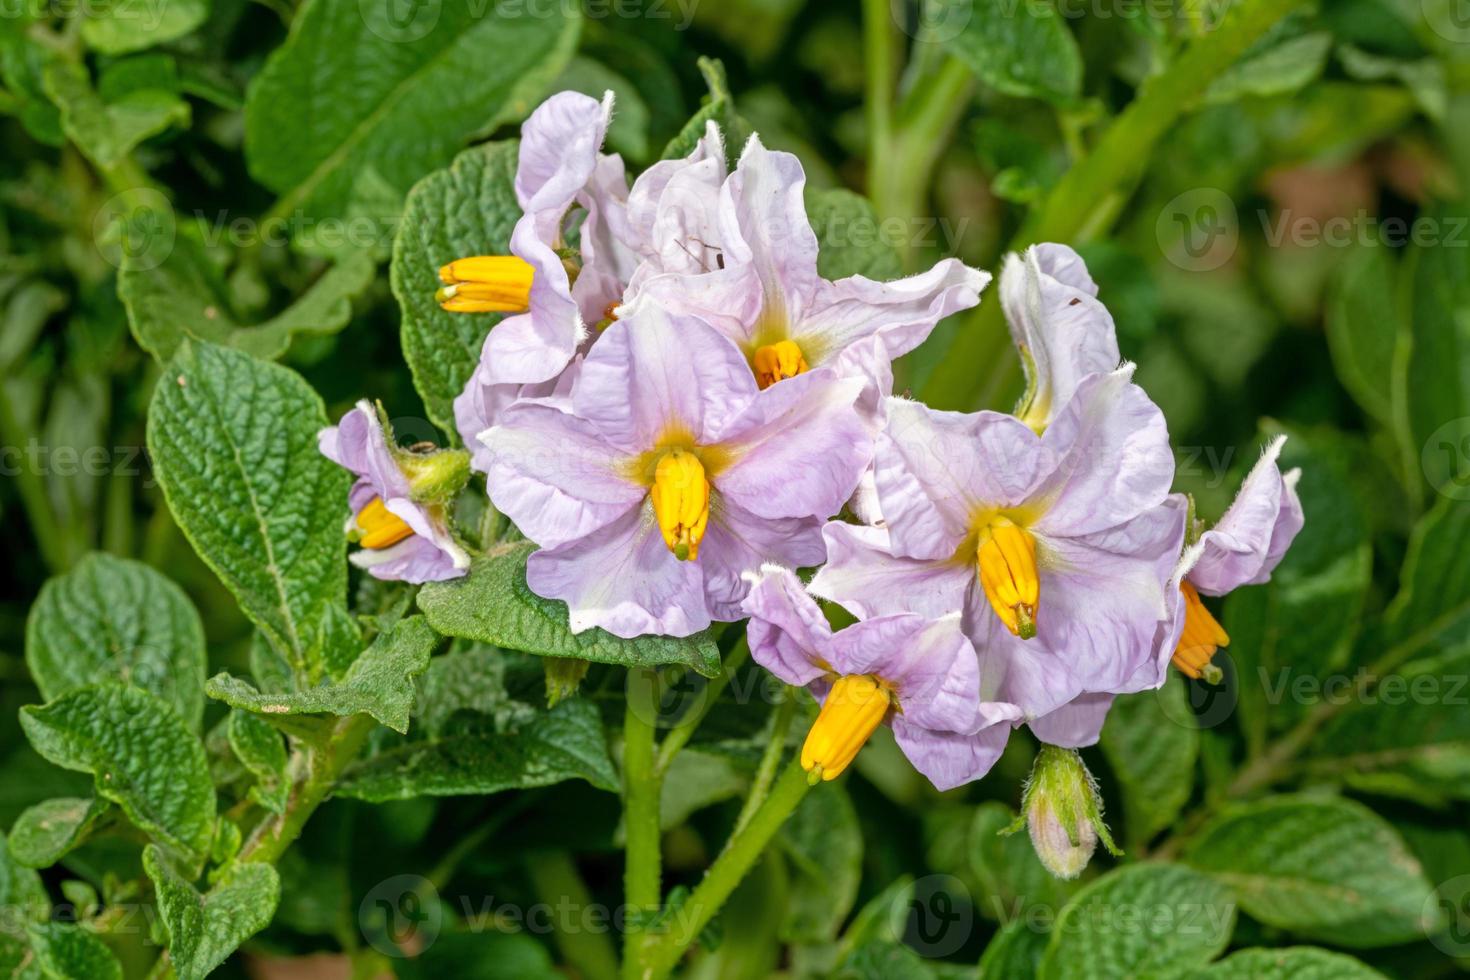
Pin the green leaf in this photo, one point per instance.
(24, 900)
(476, 758)
(106, 132)
(1011, 877)
(1438, 371)
(1432, 608)
(824, 846)
(494, 605)
(697, 779)
(185, 297)
(262, 751)
(205, 929)
(69, 952)
(1325, 868)
(115, 619)
(46, 832)
(467, 209)
(850, 237)
(1022, 49)
(234, 446)
(1014, 953)
(1409, 737)
(1282, 61)
(22, 68)
(379, 683)
(1145, 920)
(1362, 327)
(141, 755)
(121, 26)
(719, 107)
(1292, 963)
(317, 129)
(1151, 741)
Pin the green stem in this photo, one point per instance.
(1086, 199)
(740, 853)
(766, 771)
(680, 734)
(643, 892)
(589, 951)
(32, 489)
(325, 764)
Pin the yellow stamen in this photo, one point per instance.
(776, 362)
(1007, 558)
(1201, 637)
(680, 496)
(853, 709)
(486, 284)
(381, 528)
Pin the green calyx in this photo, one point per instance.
(1062, 810)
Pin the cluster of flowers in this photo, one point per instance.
(680, 405)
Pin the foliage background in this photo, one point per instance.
(1271, 196)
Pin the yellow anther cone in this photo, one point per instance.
(486, 284)
(853, 709)
(1202, 636)
(1007, 560)
(381, 528)
(680, 496)
(776, 362)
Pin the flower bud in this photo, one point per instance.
(563, 677)
(434, 475)
(1063, 812)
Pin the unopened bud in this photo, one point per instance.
(563, 677)
(434, 475)
(1063, 812)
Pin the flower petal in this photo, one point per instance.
(415, 559)
(786, 629)
(359, 444)
(1250, 539)
(553, 475)
(948, 759)
(559, 148)
(480, 405)
(930, 662)
(801, 449)
(652, 372)
(1051, 304)
(764, 224)
(1076, 724)
(623, 579)
(673, 209)
(738, 542)
(863, 575)
(1114, 460)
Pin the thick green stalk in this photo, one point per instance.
(980, 362)
(32, 490)
(642, 889)
(662, 954)
(589, 951)
(770, 759)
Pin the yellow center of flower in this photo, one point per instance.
(854, 707)
(1202, 636)
(680, 495)
(486, 284)
(381, 528)
(1006, 554)
(776, 362)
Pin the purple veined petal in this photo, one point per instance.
(1152, 675)
(536, 345)
(1254, 533)
(787, 630)
(869, 361)
(479, 407)
(729, 299)
(935, 470)
(902, 312)
(607, 263)
(553, 475)
(673, 209)
(929, 662)
(431, 526)
(623, 579)
(415, 559)
(863, 575)
(738, 542)
(947, 759)
(1051, 304)
(764, 224)
(1114, 460)
(359, 444)
(653, 373)
(1032, 675)
(559, 148)
(1103, 597)
(1076, 724)
(800, 449)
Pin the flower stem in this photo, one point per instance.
(740, 853)
(589, 951)
(680, 734)
(1087, 198)
(766, 771)
(642, 783)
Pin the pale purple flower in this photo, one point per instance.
(925, 670)
(1243, 548)
(665, 408)
(1054, 546)
(403, 528)
(759, 286)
